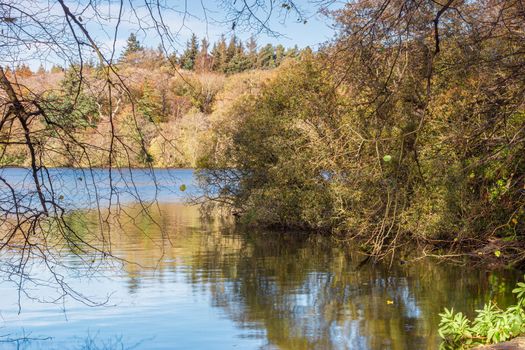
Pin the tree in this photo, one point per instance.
(252, 52)
(151, 104)
(279, 54)
(232, 49)
(189, 56)
(219, 55)
(41, 70)
(292, 52)
(410, 127)
(23, 71)
(266, 57)
(56, 69)
(203, 61)
(72, 108)
(132, 49)
(239, 63)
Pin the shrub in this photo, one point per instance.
(491, 325)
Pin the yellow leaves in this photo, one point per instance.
(389, 302)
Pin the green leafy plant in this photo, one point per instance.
(491, 325)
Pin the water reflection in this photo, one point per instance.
(206, 285)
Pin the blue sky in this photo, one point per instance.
(207, 19)
(209, 23)
(290, 31)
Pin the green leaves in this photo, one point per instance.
(387, 158)
(520, 292)
(491, 325)
(454, 326)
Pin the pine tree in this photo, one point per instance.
(73, 108)
(189, 56)
(203, 58)
(160, 57)
(279, 54)
(56, 69)
(151, 104)
(219, 55)
(231, 50)
(265, 58)
(41, 70)
(239, 63)
(132, 46)
(292, 52)
(252, 52)
(173, 59)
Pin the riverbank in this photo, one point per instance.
(514, 344)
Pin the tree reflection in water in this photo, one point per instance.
(305, 293)
(298, 291)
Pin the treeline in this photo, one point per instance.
(230, 57)
(224, 56)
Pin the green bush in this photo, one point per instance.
(491, 325)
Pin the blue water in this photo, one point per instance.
(87, 188)
(194, 281)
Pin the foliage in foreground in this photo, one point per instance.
(491, 325)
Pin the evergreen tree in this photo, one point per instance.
(265, 58)
(203, 58)
(173, 59)
(132, 46)
(72, 108)
(41, 70)
(215, 57)
(189, 56)
(252, 52)
(292, 52)
(23, 71)
(160, 57)
(279, 54)
(151, 104)
(239, 63)
(231, 50)
(240, 48)
(56, 69)
(219, 55)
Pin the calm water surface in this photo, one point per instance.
(198, 283)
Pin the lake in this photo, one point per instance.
(191, 281)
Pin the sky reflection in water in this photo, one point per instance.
(213, 287)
